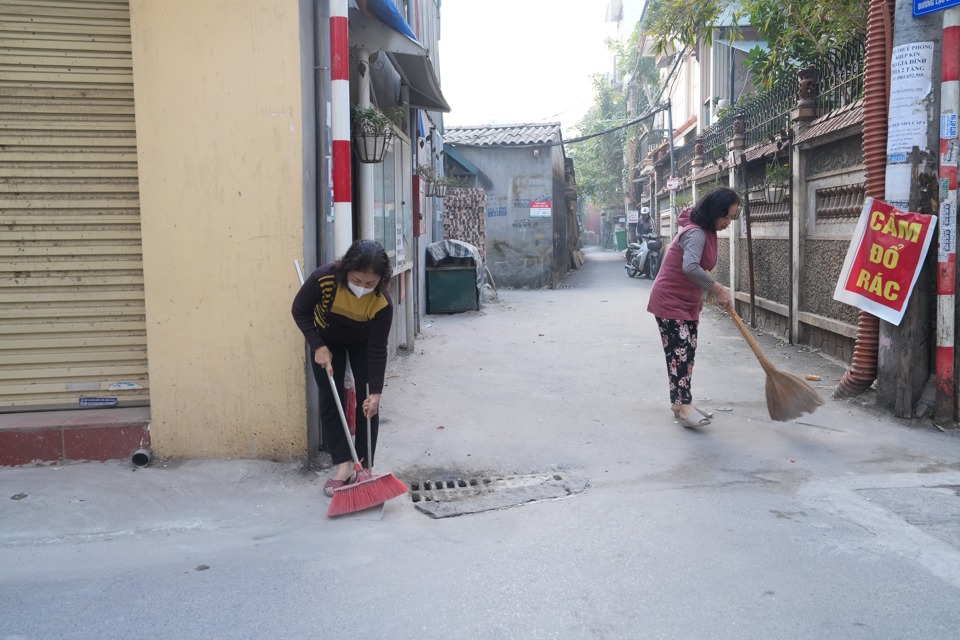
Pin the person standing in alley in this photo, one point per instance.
(676, 297)
(645, 225)
(344, 310)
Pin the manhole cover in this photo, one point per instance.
(443, 498)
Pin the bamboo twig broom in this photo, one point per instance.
(788, 397)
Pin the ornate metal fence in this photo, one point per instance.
(768, 113)
(715, 139)
(840, 77)
(683, 157)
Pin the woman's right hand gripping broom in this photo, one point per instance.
(324, 358)
(723, 296)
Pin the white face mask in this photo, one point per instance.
(358, 290)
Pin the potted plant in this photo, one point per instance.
(371, 133)
(428, 174)
(438, 186)
(776, 180)
(456, 182)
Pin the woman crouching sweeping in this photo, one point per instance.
(344, 310)
(676, 297)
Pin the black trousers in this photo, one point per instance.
(334, 438)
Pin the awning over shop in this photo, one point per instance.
(457, 157)
(409, 58)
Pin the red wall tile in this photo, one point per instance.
(104, 443)
(26, 447)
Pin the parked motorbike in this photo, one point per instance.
(643, 258)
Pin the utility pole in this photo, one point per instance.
(947, 253)
(673, 171)
(903, 355)
(629, 203)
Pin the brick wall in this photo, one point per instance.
(465, 217)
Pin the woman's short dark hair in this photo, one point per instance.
(367, 256)
(716, 204)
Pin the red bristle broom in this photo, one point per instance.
(368, 490)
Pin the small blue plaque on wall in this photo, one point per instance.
(98, 402)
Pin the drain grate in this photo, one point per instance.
(441, 489)
(441, 498)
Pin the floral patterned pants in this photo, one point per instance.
(679, 339)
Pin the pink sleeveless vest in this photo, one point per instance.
(674, 296)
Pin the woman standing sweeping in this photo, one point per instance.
(676, 297)
(344, 310)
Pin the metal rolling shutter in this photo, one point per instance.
(71, 275)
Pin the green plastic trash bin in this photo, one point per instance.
(451, 289)
(621, 239)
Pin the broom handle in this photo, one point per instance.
(296, 263)
(369, 441)
(343, 418)
(764, 362)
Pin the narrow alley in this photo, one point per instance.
(842, 524)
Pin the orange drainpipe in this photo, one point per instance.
(876, 92)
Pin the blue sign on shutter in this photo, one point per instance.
(98, 402)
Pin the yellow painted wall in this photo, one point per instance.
(220, 146)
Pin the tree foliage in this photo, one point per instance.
(640, 68)
(688, 23)
(797, 31)
(599, 160)
(601, 171)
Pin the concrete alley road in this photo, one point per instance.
(843, 524)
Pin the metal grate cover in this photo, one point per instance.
(443, 498)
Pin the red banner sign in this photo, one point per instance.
(884, 259)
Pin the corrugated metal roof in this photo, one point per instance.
(503, 134)
(708, 171)
(848, 116)
(760, 150)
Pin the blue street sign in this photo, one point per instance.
(923, 7)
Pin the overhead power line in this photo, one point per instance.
(646, 116)
(649, 114)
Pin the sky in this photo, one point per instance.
(521, 61)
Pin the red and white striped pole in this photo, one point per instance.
(947, 251)
(340, 126)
